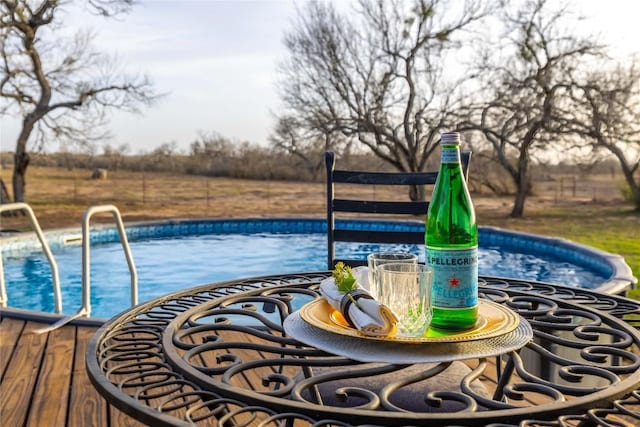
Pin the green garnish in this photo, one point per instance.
(343, 275)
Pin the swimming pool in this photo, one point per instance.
(174, 255)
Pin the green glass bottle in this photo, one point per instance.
(451, 240)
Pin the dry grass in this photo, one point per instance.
(59, 197)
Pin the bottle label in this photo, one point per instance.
(450, 156)
(455, 277)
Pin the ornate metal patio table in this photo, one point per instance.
(218, 355)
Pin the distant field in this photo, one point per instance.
(588, 210)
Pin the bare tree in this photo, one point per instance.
(605, 115)
(115, 156)
(61, 88)
(377, 77)
(527, 87)
(307, 145)
(110, 7)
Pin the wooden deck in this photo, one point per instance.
(43, 380)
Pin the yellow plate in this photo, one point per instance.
(493, 320)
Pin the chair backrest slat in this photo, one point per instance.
(359, 206)
(384, 178)
(377, 207)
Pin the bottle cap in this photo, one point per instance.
(450, 138)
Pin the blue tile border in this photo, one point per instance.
(607, 264)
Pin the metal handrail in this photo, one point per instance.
(19, 206)
(86, 259)
(85, 309)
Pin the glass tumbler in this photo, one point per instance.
(406, 289)
(378, 258)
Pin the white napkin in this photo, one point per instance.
(368, 315)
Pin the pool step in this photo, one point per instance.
(72, 239)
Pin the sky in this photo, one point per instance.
(216, 61)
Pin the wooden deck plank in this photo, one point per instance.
(120, 419)
(50, 400)
(10, 330)
(18, 384)
(86, 406)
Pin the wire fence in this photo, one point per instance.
(593, 188)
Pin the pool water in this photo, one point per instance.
(171, 264)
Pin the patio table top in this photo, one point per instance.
(218, 355)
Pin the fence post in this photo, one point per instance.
(144, 190)
(269, 192)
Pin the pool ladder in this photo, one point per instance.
(85, 309)
(55, 276)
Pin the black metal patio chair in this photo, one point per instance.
(369, 208)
